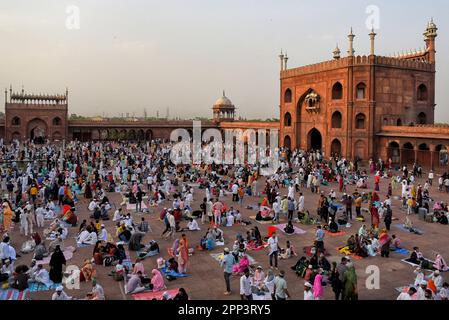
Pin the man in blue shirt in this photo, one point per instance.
(227, 263)
(61, 193)
(291, 208)
(319, 238)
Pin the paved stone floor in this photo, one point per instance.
(206, 277)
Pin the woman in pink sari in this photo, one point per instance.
(318, 291)
(157, 280)
(243, 264)
(183, 256)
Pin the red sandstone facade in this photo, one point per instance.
(342, 106)
(29, 116)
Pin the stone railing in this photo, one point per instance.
(358, 60)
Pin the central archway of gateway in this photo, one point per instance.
(37, 130)
(314, 140)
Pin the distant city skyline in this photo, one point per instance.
(131, 56)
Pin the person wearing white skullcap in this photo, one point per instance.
(421, 290)
(308, 293)
(60, 294)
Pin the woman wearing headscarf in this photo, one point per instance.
(243, 264)
(384, 241)
(181, 295)
(58, 242)
(37, 238)
(135, 241)
(375, 218)
(350, 283)
(318, 291)
(56, 261)
(173, 251)
(40, 251)
(88, 191)
(7, 216)
(377, 181)
(210, 240)
(183, 257)
(157, 280)
(87, 271)
(257, 236)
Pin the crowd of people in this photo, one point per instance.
(45, 185)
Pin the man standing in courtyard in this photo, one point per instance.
(273, 245)
(245, 286)
(227, 263)
(280, 287)
(319, 239)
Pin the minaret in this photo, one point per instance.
(281, 57)
(429, 38)
(351, 37)
(6, 96)
(372, 36)
(285, 61)
(337, 53)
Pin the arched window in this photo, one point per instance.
(422, 93)
(360, 150)
(57, 135)
(57, 121)
(288, 96)
(360, 120)
(336, 147)
(423, 147)
(336, 120)
(15, 121)
(399, 123)
(360, 91)
(408, 146)
(287, 142)
(393, 145)
(422, 118)
(337, 91)
(288, 120)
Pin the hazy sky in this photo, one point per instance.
(136, 54)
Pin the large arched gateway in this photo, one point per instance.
(37, 130)
(314, 140)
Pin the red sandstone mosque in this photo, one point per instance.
(357, 106)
